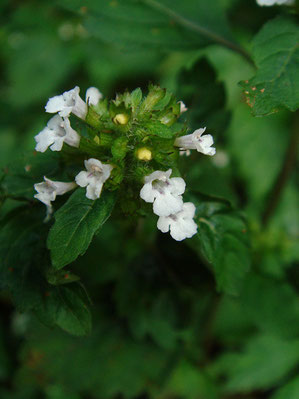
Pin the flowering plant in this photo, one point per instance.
(149, 231)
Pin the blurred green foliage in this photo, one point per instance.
(214, 317)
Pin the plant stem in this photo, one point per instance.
(284, 174)
(194, 27)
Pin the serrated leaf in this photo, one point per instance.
(67, 308)
(222, 239)
(276, 54)
(22, 260)
(157, 128)
(265, 361)
(21, 254)
(76, 222)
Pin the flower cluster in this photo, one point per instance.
(59, 131)
(166, 195)
(128, 141)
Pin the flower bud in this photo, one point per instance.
(144, 154)
(121, 119)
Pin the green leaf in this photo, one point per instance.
(164, 24)
(223, 241)
(108, 350)
(67, 308)
(76, 222)
(276, 54)
(264, 302)
(258, 156)
(265, 361)
(157, 128)
(35, 60)
(136, 97)
(288, 391)
(204, 96)
(20, 176)
(190, 382)
(22, 256)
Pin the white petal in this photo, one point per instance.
(91, 192)
(62, 188)
(183, 229)
(45, 138)
(176, 232)
(80, 108)
(55, 104)
(207, 140)
(72, 138)
(188, 210)
(55, 123)
(106, 168)
(66, 111)
(82, 179)
(178, 185)
(97, 189)
(163, 224)
(158, 175)
(93, 96)
(185, 142)
(92, 162)
(147, 193)
(183, 107)
(57, 146)
(167, 204)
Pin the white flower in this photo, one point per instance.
(67, 103)
(181, 224)
(93, 96)
(183, 107)
(273, 2)
(165, 193)
(197, 141)
(47, 191)
(96, 175)
(56, 132)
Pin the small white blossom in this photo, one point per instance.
(181, 224)
(197, 141)
(183, 107)
(49, 189)
(164, 192)
(67, 103)
(93, 96)
(274, 2)
(57, 132)
(94, 178)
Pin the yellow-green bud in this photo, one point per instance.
(96, 139)
(144, 154)
(121, 119)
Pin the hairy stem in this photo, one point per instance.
(194, 27)
(284, 174)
